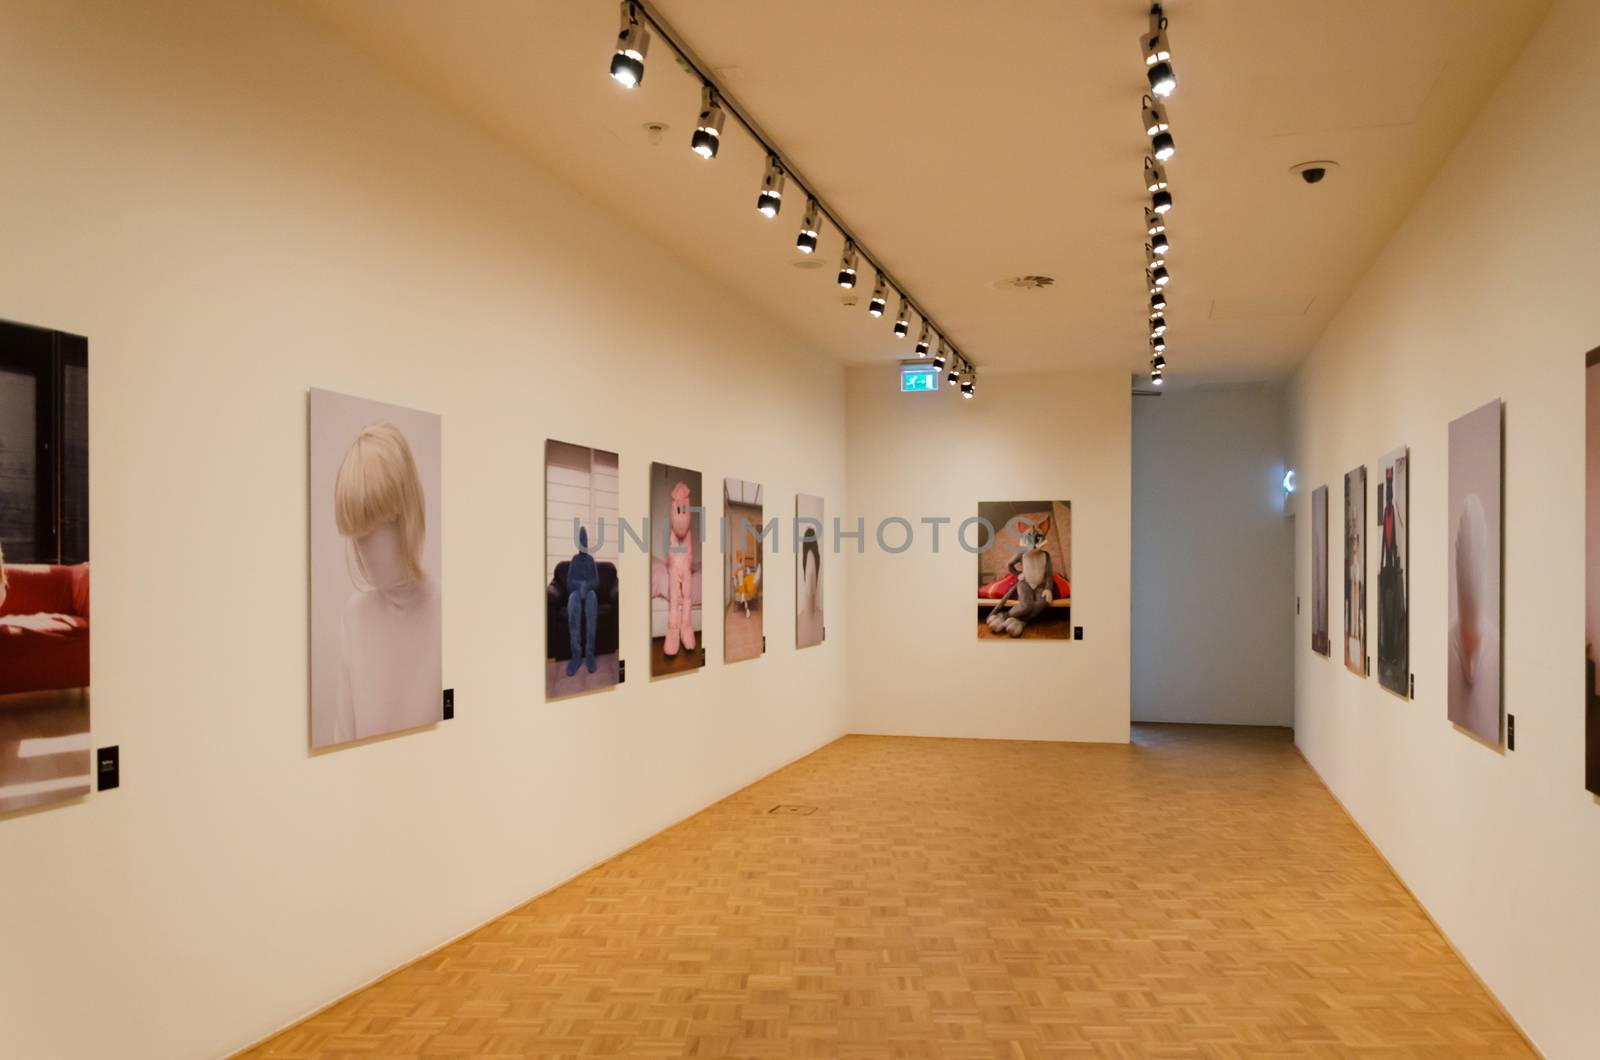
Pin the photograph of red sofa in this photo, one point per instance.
(44, 628)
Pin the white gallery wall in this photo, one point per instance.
(234, 207)
(1487, 291)
(1213, 560)
(916, 664)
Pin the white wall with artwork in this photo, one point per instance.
(923, 659)
(1466, 343)
(233, 248)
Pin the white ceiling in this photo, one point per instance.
(967, 142)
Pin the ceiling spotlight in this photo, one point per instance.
(1161, 202)
(880, 297)
(1153, 224)
(954, 377)
(902, 319)
(1159, 243)
(1159, 344)
(1158, 361)
(1159, 131)
(633, 44)
(968, 386)
(770, 201)
(924, 340)
(940, 357)
(1159, 277)
(1155, 175)
(847, 266)
(807, 241)
(1155, 377)
(1158, 302)
(1158, 326)
(708, 127)
(1158, 55)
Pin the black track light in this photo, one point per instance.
(902, 319)
(1154, 224)
(880, 297)
(1158, 55)
(1159, 344)
(770, 201)
(1158, 361)
(940, 358)
(806, 243)
(924, 340)
(1155, 175)
(633, 44)
(954, 377)
(1159, 243)
(708, 127)
(1161, 202)
(1158, 302)
(1162, 145)
(968, 386)
(1155, 377)
(847, 267)
(1158, 326)
(1159, 277)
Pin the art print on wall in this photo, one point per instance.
(1355, 571)
(1025, 571)
(44, 567)
(677, 542)
(809, 629)
(1319, 572)
(1394, 600)
(581, 544)
(742, 565)
(377, 649)
(1591, 579)
(1473, 572)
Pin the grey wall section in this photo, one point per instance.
(1213, 564)
(1486, 291)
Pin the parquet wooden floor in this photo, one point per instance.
(1197, 894)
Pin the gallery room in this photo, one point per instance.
(893, 530)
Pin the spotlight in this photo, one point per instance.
(939, 358)
(770, 201)
(955, 376)
(1159, 243)
(1155, 377)
(1160, 132)
(1153, 223)
(1159, 277)
(1158, 361)
(924, 340)
(1159, 344)
(633, 44)
(1158, 326)
(902, 320)
(1158, 55)
(1158, 302)
(968, 387)
(1161, 202)
(847, 267)
(708, 127)
(880, 297)
(1155, 175)
(807, 241)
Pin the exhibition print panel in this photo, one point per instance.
(1025, 570)
(44, 567)
(742, 566)
(376, 569)
(677, 544)
(1394, 601)
(1355, 571)
(809, 628)
(1473, 573)
(582, 542)
(1319, 571)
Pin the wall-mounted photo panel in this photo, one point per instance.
(377, 662)
(677, 542)
(742, 565)
(1473, 572)
(581, 543)
(1591, 576)
(44, 567)
(1025, 571)
(1319, 572)
(1394, 564)
(809, 628)
(1355, 571)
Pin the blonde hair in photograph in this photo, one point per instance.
(377, 484)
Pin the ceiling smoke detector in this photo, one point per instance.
(1024, 283)
(1313, 172)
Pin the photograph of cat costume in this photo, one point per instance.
(582, 542)
(677, 540)
(1024, 571)
(376, 621)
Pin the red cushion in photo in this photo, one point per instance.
(995, 590)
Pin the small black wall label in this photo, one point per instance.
(449, 703)
(1511, 732)
(622, 670)
(108, 768)
(1077, 632)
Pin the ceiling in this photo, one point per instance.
(965, 143)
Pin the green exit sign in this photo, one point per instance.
(918, 380)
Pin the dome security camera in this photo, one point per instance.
(1313, 172)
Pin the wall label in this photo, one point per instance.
(108, 768)
(449, 703)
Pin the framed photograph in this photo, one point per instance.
(1319, 572)
(743, 564)
(677, 547)
(581, 545)
(1472, 572)
(1355, 571)
(809, 628)
(1025, 571)
(1394, 600)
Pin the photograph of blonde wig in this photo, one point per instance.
(378, 484)
(1473, 698)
